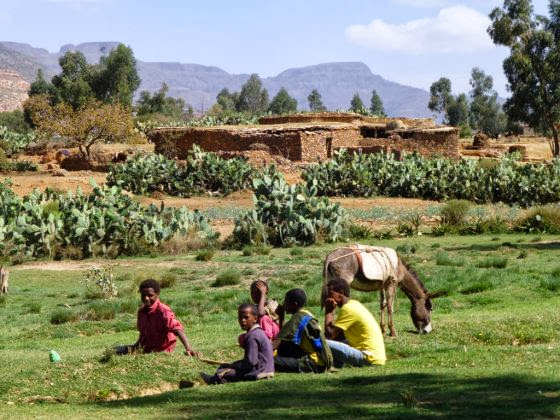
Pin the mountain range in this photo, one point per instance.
(198, 85)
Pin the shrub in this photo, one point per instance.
(100, 283)
(63, 315)
(33, 307)
(296, 251)
(493, 262)
(229, 277)
(250, 250)
(359, 232)
(102, 310)
(443, 258)
(205, 255)
(288, 215)
(168, 280)
(368, 175)
(203, 173)
(476, 287)
(540, 220)
(552, 284)
(455, 211)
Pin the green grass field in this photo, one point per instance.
(494, 351)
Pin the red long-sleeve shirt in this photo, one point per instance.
(157, 325)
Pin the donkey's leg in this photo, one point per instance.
(382, 306)
(391, 291)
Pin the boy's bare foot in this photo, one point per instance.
(208, 379)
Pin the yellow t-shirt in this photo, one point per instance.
(362, 331)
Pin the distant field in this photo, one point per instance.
(494, 352)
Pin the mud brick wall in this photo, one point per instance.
(283, 143)
(318, 145)
(425, 142)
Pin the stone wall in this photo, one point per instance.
(179, 141)
(442, 141)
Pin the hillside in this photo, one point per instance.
(199, 84)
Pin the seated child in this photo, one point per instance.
(258, 361)
(301, 345)
(268, 318)
(157, 324)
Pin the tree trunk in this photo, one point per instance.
(556, 141)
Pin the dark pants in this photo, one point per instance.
(291, 358)
(232, 372)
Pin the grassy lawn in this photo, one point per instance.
(494, 352)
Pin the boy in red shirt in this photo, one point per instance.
(157, 324)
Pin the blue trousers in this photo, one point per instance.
(344, 354)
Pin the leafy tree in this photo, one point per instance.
(14, 121)
(253, 98)
(440, 92)
(72, 84)
(92, 123)
(160, 103)
(41, 87)
(376, 107)
(533, 63)
(115, 78)
(356, 105)
(227, 101)
(282, 103)
(457, 112)
(486, 113)
(315, 101)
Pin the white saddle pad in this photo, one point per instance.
(378, 263)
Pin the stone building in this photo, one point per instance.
(315, 137)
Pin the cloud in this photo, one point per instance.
(456, 29)
(423, 3)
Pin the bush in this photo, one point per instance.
(168, 280)
(105, 222)
(296, 251)
(455, 211)
(444, 259)
(250, 250)
(102, 310)
(205, 255)
(63, 315)
(288, 215)
(551, 284)
(203, 173)
(359, 232)
(540, 220)
(229, 277)
(368, 175)
(493, 262)
(476, 287)
(33, 307)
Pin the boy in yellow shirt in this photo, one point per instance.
(356, 325)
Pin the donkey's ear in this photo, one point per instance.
(437, 294)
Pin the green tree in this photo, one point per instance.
(376, 107)
(72, 84)
(282, 103)
(41, 87)
(115, 78)
(532, 65)
(315, 101)
(457, 112)
(253, 98)
(160, 103)
(440, 94)
(14, 121)
(356, 105)
(486, 113)
(227, 101)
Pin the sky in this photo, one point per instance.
(413, 42)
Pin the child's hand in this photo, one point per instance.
(262, 288)
(330, 305)
(280, 311)
(192, 353)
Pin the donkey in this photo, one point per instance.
(345, 263)
(4, 276)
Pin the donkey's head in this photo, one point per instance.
(421, 313)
